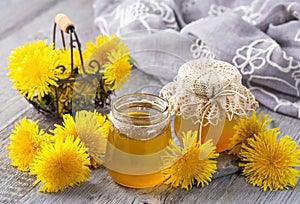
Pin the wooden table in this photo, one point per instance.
(24, 21)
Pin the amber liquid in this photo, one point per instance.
(131, 144)
(221, 142)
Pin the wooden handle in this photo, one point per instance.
(64, 22)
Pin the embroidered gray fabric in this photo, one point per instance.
(260, 37)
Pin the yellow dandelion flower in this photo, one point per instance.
(65, 60)
(98, 51)
(91, 136)
(61, 165)
(118, 72)
(246, 128)
(32, 68)
(86, 128)
(25, 143)
(269, 164)
(103, 123)
(67, 128)
(192, 164)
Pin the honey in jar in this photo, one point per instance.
(220, 133)
(139, 134)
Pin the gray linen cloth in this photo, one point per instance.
(260, 37)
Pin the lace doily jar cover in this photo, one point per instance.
(207, 95)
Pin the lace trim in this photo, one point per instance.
(142, 9)
(254, 56)
(200, 50)
(248, 11)
(258, 54)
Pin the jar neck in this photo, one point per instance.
(140, 109)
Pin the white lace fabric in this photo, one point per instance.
(207, 91)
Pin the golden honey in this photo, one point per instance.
(220, 134)
(136, 140)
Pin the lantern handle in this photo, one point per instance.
(64, 22)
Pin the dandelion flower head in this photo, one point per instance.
(103, 123)
(65, 60)
(246, 128)
(67, 128)
(192, 164)
(270, 164)
(25, 143)
(91, 136)
(117, 73)
(32, 68)
(100, 50)
(61, 165)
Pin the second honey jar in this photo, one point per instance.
(207, 96)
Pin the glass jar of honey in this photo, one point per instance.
(139, 134)
(207, 95)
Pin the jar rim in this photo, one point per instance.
(161, 105)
